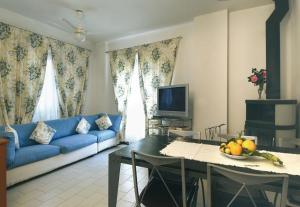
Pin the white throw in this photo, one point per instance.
(211, 154)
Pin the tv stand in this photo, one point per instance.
(159, 125)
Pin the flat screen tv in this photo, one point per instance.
(173, 100)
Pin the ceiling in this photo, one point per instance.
(110, 19)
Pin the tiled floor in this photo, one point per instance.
(83, 184)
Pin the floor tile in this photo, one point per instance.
(82, 184)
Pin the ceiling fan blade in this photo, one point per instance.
(69, 23)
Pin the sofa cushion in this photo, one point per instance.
(74, 142)
(42, 133)
(64, 127)
(10, 147)
(103, 135)
(24, 131)
(29, 154)
(83, 127)
(91, 119)
(104, 122)
(116, 122)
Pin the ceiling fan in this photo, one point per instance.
(78, 29)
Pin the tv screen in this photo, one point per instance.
(172, 99)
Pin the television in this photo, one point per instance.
(173, 100)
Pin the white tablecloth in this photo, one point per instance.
(211, 154)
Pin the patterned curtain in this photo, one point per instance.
(71, 71)
(23, 58)
(122, 65)
(156, 64)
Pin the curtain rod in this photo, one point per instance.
(27, 30)
(141, 44)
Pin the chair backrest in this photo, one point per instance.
(246, 179)
(184, 133)
(156, 162)
(213, 132)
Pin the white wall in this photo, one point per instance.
(201, 62)
(100, 95)
(247, 49)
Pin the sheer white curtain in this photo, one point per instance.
(48, 106)
(135, 127)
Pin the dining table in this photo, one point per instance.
(155, 145)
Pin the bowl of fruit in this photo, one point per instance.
(240, 148)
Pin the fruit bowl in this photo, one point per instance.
(235, 157)
(242, 148)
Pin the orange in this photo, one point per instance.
(230, 143)
(239, 141)
(236, 149)
(249, 145)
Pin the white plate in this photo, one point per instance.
(235, 157)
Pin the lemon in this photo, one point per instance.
(249, 145)
(227, 151)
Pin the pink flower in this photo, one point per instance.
(253, 78)
(264, 74)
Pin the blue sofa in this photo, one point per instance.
(67, 146)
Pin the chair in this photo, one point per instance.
(293, 201)
(213, 132)
(240, 181)
(193, 135)
(160, 191)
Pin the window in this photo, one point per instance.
(135, 127)
(48, 106)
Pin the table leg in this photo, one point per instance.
(113, 179)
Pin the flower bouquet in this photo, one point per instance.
(258, 78)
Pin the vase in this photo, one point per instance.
(260, 90)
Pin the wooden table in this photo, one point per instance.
(3, 143)
(152, 145)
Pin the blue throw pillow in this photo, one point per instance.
(10, 148)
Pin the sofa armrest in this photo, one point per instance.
(116, 120)
(10, 147)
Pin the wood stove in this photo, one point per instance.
(268, 119)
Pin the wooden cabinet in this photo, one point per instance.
(3, 143)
